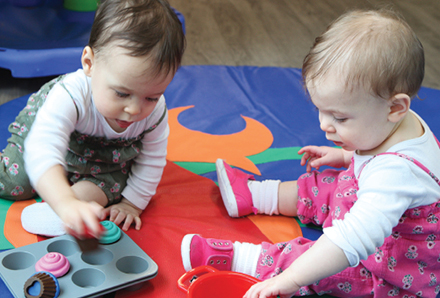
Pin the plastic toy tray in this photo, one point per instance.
(109, 268)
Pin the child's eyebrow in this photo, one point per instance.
(118, 87)
(332, 111)
(125, 89)
(156, 94)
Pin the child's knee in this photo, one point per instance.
(13, 186)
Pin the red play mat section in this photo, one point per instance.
(185, 203)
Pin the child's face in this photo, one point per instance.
(353, 120)
(123, 91)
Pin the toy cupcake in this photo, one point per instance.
(54, 263)
(42, 285)
(111, 233)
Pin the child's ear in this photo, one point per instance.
(399, 107)
(87, 60)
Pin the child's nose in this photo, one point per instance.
(326, 124)
(133, 108)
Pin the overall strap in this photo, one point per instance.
(410, 159)
(71, 97)
(158, 121)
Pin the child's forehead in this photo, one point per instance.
(329, 83)
(144, 65)
(334, 89)
(121, 57)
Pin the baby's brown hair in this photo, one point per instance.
(376, 50)
(143, 27)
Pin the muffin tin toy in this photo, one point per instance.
(92, 273)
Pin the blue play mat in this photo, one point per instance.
(220, 95)
(42, 38)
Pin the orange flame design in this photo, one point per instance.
(13, 230)
(194, 146)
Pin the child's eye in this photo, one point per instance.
(340, 120)
(152, 99)
(121, 94)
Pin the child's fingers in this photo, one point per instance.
(96, 208)
(112, 213)
(132, 219)
(304, 149)
(104, 213)
(69, 230)
(138, 223)
(304, 158)
(310, 164)
(308, 168)
(127, 223)
(115, 216)
(92, 224)
(87, 220)
(118, 215)
(78, 226)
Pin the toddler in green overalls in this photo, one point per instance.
(92, 143)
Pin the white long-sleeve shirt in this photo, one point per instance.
(388, 186)
(71, 108)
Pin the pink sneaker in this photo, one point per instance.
(197, 251)
(233, 185)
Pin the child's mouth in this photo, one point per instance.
(124, 124)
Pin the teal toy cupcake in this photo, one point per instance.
(111, 233)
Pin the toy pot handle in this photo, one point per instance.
(193, 272)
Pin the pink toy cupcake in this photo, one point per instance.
(53, 262)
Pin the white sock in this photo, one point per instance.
(40, 219)
(265, 195)
(245, 257)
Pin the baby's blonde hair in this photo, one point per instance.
(374, 50)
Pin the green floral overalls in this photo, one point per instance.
(105, 162)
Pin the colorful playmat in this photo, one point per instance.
(255, 118)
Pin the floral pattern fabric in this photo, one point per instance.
(406, 265)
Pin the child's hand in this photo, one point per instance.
(317, 156)
(124, 211)
(79, 215)
(280, 285)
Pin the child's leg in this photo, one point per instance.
(221, 254)
(242, 195)
(88, 191)
(288, 198)
(267, 260)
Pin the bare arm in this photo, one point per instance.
(54, 188)
(323, 259)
